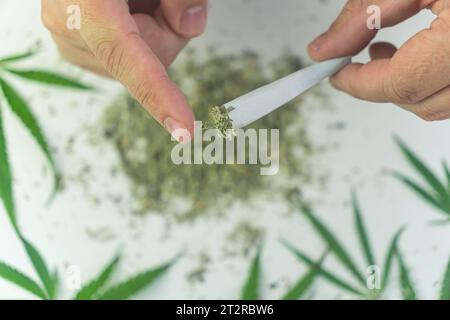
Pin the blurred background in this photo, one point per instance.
(84, 228)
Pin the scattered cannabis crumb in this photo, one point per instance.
(243, 238)
(186, 192)
(219, 118)
(102, 234)
(198, 274)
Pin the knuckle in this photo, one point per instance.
(403, 94)
(442, 22)
(145, 94)
(111, 54)
(401, 91)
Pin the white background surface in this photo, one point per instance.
(365, 150)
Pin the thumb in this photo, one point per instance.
(349, 34)
(186, 17)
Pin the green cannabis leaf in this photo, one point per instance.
(445, 291)
(362, 232)
(252, 286)
(335, 280)
(48, 78)
(302, 286)
(22, 110)
(424, 194)
(251, 290)
(89, 291)
(436, 193)
(408, 291)
(335, 246)
(20, 107)
(134, 285)
(6, 185)
(19, 56)
(423, 170)
(390, 258)
(342, 255)
(18, 278)
(49, 281)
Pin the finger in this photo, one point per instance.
(165, 44)
(382, 50)
(416, 71)
(349, 33)
(364, 81)
(113, 36)
(143, 6)
(81, 58)
(439, 6)
(73, 42)
(433, 108)
(186, 17)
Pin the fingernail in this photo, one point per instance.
(319, 41)
(194, 20)
(174, 129)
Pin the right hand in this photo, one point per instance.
(414, 76)
(133, 41)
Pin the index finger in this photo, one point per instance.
(350, 33)
(113, 36)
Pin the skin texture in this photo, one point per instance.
(134, 42)
(416, 76)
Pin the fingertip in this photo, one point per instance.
(193, 21)
(179, 117)
(349, 80)
(180, 132)
(364, 81)
(335, 81)
(339, 79)
(187, 19)
(330, 45)
(313, 53)
(314, 48)
(189, 123)
(168, 105)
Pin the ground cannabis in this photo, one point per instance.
(219, 118)
(188, 191)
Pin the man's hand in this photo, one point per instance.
(133, 41)
(416, 76)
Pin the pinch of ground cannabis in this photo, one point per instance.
(183, 193)
(219, 118)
